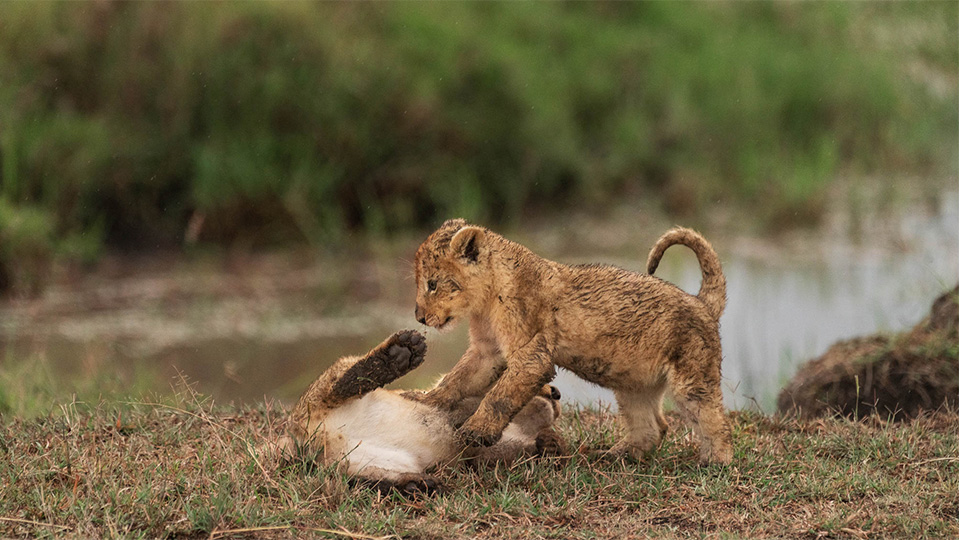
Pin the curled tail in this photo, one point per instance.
(713, 290)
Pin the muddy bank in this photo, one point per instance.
(896, 376)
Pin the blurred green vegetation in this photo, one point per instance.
(32, 386)
(122, 124)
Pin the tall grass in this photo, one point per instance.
(122, 122)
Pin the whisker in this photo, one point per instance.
(411, 270)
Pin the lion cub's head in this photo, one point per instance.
(452, 273)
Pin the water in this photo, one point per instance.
(266, 332)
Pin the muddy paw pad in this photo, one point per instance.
(399, 356)
(405, 351)
(410, 346)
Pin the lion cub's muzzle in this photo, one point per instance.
(430, 319)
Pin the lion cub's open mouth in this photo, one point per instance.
(444, 324)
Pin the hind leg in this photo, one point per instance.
(354, 376)
(701, 405)
(644, 425)
(711, 426)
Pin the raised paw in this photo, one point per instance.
(395, 357)
(405, 351)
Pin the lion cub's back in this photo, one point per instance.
(607, 290)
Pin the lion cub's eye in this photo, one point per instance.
(431, 285)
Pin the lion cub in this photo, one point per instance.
(630, 332)
(389, 438)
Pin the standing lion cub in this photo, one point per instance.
(630, 332)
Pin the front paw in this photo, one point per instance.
(438, 399)
(477, 438)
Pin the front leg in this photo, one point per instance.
(473, 375)
(528, 369)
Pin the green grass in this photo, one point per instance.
(187, 468)
(32, 386)
(122, 124)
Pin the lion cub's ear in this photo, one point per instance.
(455, 223)
(467, 243)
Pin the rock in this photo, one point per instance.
(896, 376)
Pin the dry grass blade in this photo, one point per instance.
(218, 533)
(934, 460)
(347, 534)
(35, 523)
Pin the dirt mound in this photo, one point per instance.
(895, 376)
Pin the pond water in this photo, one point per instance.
(264, 328)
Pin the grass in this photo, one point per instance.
(183, 467)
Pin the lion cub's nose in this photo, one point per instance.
(418, 313)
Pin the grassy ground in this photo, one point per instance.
(185, 468)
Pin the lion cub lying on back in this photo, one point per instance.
(630, 332)
(389, 438)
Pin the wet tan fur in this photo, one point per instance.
(630, 332)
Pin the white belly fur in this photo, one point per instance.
(385, 430)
